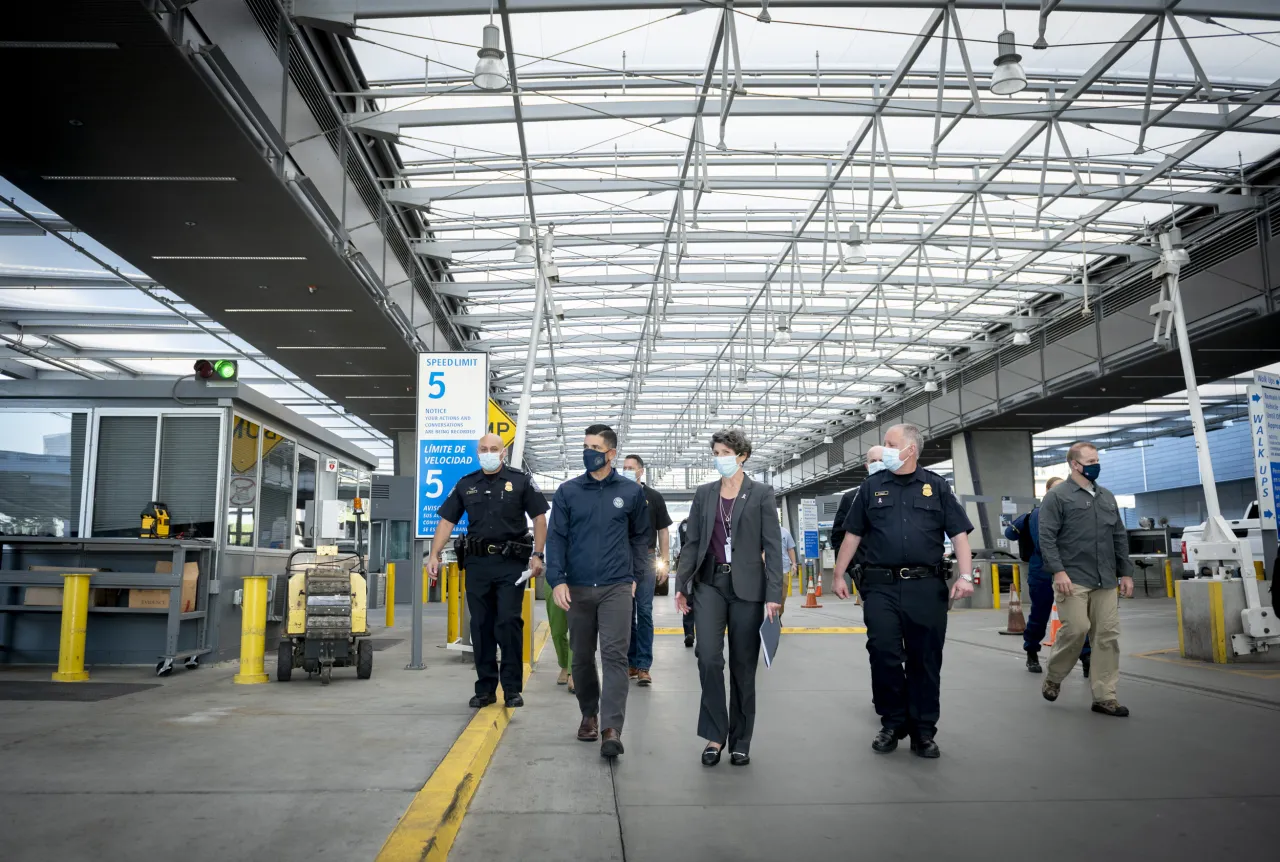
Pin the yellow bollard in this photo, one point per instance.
(1017, 578)
(995, 586)
(526, 614)
(75, 621)
(451, 603)
(1168, 577)
(253, 631)
(391, 595)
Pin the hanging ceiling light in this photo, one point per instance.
(795, 456)
(524, 245)
(855, 253)
(868, 416)
(764, 17)
(1021, 337)
(828, 439)
(930, 381)
(782, 335)
(1008, 78)
(490, 74)
(742, 375)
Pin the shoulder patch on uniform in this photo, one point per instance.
(617, 502)
(882, 493)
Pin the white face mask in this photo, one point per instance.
(630, 474)
(490, 461)
(874, 467)
(892, 458)
(726, 465)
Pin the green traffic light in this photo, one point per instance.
(225, 368)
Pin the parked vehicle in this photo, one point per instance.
(1248, 527)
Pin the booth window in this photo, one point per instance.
(242, 482)
(41, 473)
(306, 499)
(189, 473)
(276, 505)
(125, 477)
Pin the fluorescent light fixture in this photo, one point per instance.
(390, 414)
(327, 347)
(139, 179)
(379, 397)
(490, 74)
(60, 46)
(1008, 78)
(287, 310)
(362, 375)
(225, 257)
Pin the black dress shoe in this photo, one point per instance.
(925, 747)
(515, 701)
(688, 640)
(480, 701)
(1033, 663)
(710, 755)
(886, 741)
(738, 758)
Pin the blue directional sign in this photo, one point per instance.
(452, 416)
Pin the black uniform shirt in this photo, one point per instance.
(658, 517)
(902, 519)
(495, 504)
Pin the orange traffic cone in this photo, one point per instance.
(811, 597)
(1017, 622)
(1054, 624)
(817, 585)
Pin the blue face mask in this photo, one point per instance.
(490, 461)
(630, 474)
(593, 460)
(1091, 471)
(874, 467)
(726, 465)
(891, 459)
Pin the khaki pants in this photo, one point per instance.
(1095, 614)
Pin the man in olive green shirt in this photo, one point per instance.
(1084, 543)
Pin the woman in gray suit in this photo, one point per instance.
(731, 566)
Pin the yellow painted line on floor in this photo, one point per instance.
(428, 828)
(790, 630)
(1160, 655)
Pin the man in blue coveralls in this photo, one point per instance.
(1040, 586)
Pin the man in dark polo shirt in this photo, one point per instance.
(640, 656)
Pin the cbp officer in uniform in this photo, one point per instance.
(496, 550)
(901, 514)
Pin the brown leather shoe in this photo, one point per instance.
(611, 743)
(632, 673)
(589, 730)
(643, 678)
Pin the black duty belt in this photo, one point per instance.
(886, 575)
(473, 546)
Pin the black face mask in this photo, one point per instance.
(593, 460)
(1091, 471)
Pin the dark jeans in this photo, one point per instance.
(603, 614)
(906, 628)
(494, 602)
(716, 613)
(1040, 588)
(640, 653)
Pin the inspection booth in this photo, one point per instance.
(245, 482)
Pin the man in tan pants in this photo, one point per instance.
(1084, 543)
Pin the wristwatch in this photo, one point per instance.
(538, 554)
(968, 576)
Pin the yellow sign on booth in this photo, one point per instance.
(501, 424)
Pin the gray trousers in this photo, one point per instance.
(604, 614)
(716, 614)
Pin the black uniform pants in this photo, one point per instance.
(906, 627)
(718, 613)
(494, 602)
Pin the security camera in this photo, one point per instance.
(558, 310)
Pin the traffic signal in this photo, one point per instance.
(217, 369)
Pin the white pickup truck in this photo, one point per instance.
(1247, 527)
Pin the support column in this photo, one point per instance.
(988, 466)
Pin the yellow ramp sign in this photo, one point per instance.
(501, 424)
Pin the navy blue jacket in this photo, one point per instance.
(1029, 521)
(599, 532)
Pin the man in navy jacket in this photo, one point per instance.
(597, 550)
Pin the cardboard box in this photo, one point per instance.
(160, 598)
(52, 596)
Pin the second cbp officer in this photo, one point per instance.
(902, 514)
(496, 550)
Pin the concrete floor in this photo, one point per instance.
(1181, 779)
(204, 770)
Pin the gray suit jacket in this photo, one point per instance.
(757, 541)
